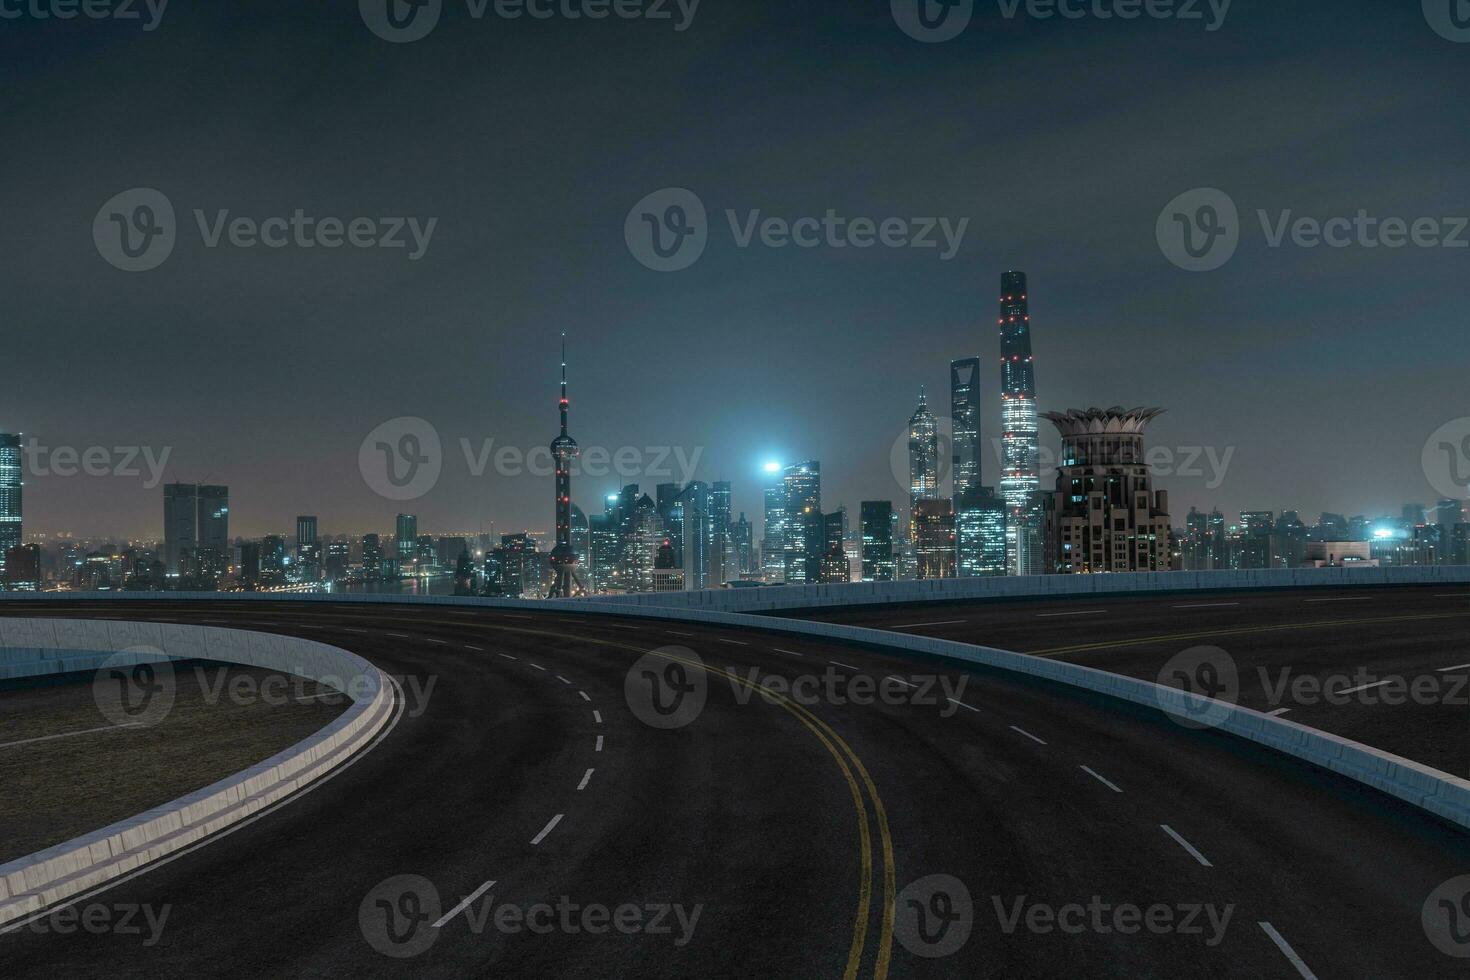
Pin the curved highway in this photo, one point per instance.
(552, 769)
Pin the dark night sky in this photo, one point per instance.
(1323, 369)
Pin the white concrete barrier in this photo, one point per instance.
(32, 647)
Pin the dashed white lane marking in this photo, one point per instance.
(909, 626)
(509, 657)
(1193, 851)
(352, 629)
(1101, 778)
(1028, 735)
(537, 666)
(584, 696)
(1458, 667)
(546, 830)
(1346, 598)
(790, 652)
(1080, 612)
(562, 679)
(401, 636)
(677, 633)
(463, 905)
(961, 704)
(619, 626)
(85, 731)
(309, 626)
(843, 666)
(430, 639)
(597, 716)
(1205, 605)
(899, 679)
(1278, 711)
(1287, 951)
(737, 643)
(1364, 687)
(585, 777)
(1442, 595)
(471, 646)
(599, 744)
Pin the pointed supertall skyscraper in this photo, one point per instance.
(1021, 478)
(563, 451)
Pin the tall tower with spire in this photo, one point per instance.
(923, 458)
(1021, 479)
(563, 451)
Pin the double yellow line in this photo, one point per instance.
(853, 771)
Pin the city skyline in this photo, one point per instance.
(308, 351)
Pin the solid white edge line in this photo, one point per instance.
(463, 905)
(85, 731)
(907, 626)
(315, 785)
(1287, 951)
(585, 777)
(1101, 778)
(1193, 851)
(1028, 735)
(547, 829)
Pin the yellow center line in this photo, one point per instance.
(1239, 631)
(827, 736)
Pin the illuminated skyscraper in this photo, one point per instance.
(804, 531)
(1021, 476)
(407, 535)
(180, 527)
(773, 541)
(1104, 515)
(10, 496)
(980, 535)
(964, 410)
(934, 544)
(923, 460)
(877, 520)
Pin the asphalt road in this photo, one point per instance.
(1094, 839)
(1389, 667)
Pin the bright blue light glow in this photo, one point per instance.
(772, 466)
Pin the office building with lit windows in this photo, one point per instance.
(803, 526)
(877, 525)
(10, 496)
(1104, 515)
(980, 534)
(923, 460)
(934, 540)
(773, 536)
(1020, 480)
(964, 411)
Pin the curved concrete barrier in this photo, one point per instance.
(32, 647)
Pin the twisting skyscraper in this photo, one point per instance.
(563, 451)
(1021, 476)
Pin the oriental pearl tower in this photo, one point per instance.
(563, 451)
